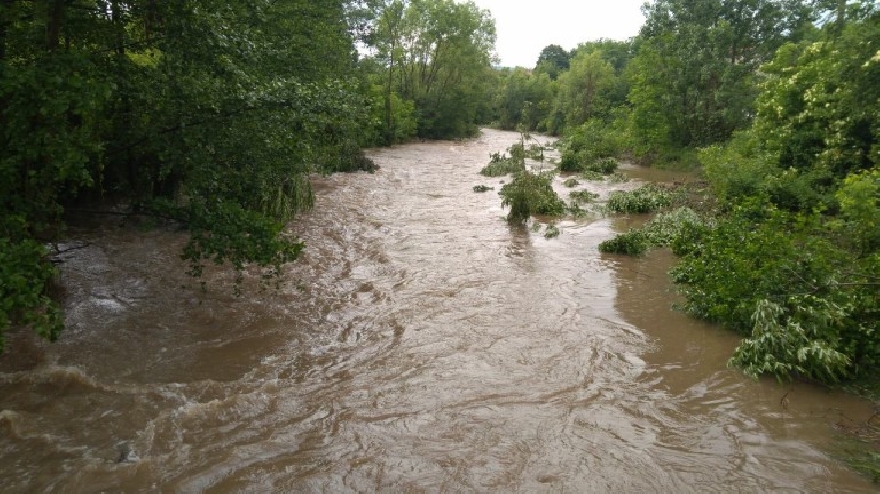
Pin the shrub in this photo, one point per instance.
(631, 243)
(571, 161)
(531, 194)
(660, 231)
(801, 343)
(535, 152)
(605, 166)
(501, 165)
(583, 196)
(571, 182)
(665, 229)
(617, 178)
(593, 176)
(645, 199)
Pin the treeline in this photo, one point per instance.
(210, 114)
(778, 104)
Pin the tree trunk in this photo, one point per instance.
(5, 13)
(840, 22)
(389, 131)
(54, 22)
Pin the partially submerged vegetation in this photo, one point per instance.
(502, 164)
(531, 194)
(583, 196)
(612, 178)
(661, 231)
(645, 199)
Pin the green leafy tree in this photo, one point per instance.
(436, 53)
(553, 60)
(516, 89)
(206, 112)
(695, 70)
(584, 88)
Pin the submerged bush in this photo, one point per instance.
(535, 152)
(571, 182)
(531, 194)
(482, 188)
(666, 227)
(500, 164)
(612, 178)
(579, 162)
(576, 211)
(583, 196)
(661, 231)
(631, 243)
(803, 300)
(551, 232)
(571, 161)
(605, 166)
(784, 344)
(645, 199)
(618, 178)
(593, 176)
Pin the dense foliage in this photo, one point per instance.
(209, 114)
(803, 190)
(431, 60)
(531, 194)
(779, 102)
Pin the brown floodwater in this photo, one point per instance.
(421, 344)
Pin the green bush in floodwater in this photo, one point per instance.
(482, 188)
(501, 165)
(612, 178)
(605, 166)
(531, 194)
(571, 182)
(631, 243)
(661, 231)
(551, 232)
(584, 196)
(645, 199)
(535, 152)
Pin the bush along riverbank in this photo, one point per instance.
(802, 288)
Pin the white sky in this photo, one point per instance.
(525, 27)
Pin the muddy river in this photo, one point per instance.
(421, 345)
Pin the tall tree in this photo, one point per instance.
(437, 52)
(206, 111)
(553, 60)
(697, 65)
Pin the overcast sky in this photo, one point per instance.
(526, 27)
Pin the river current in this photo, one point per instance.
(420, 345)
